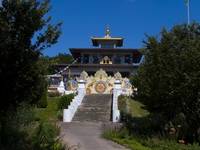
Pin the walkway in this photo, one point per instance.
(85, 131)
(86, 136)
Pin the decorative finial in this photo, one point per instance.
(107, 32)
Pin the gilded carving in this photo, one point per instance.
(100, 87)
(101, 74)
(88, 91)
(101, 83)
(83, 76)
(118, 76)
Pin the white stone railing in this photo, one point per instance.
(69, 113)
(115, 110)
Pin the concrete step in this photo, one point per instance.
(94, 108)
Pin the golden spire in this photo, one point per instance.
(107, 32)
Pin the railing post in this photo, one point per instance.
(116, 92)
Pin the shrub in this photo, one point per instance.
(65, 101)
(123, 138)
(54, 94)
(42, 103)
(60, 114)
(163, 144)
(122, 103)
(168, 81)
(13, 129)
(45, 137)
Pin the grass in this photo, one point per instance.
(137, 109)
(136, 141)
(126, 141)
(50, 112)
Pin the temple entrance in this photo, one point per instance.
(102, 83)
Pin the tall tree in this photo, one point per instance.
(169, 79)
(25, 30)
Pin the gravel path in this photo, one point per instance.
(86, 136)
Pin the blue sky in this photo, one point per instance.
(131, 19)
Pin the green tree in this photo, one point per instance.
(25, 30)
(49, 63)
(169, 80)
(62, 58)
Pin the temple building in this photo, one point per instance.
(101, 70)
(107, 53)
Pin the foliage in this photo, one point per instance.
(169, 80)
(124, 139)
(122, 103)
(65, 101)
(43, 100)
(23, 132)
(50, 63)
(141, 143)
(144, 129)
(13, 135)
(20, 72)
(136, 119)
(54, 94)
(50, 112)
(62, 58)
(60, 115)
(44, 137)
(163, 144)
(133, 107)
(25, 30)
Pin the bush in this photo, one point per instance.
(42, 103)
(163, 144)
(45, 137)
(122, 103)
(136, 142)
(60, 114)
(123, 138)
(21, 131)
(168, 81)
(65, 101)
(54, 94)
(13, 129)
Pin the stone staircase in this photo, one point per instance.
(94, 108)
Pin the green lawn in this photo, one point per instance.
(49, 113)
(136, 108)
(135, 142)
(127, 141)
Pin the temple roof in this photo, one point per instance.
(96, 41)
(77, 51)
(103, 50)
(107, 40)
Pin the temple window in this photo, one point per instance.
(127, 59)
(86, 59)
(95, 60)
(107, 45)
(117, 60)
(136, 59)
